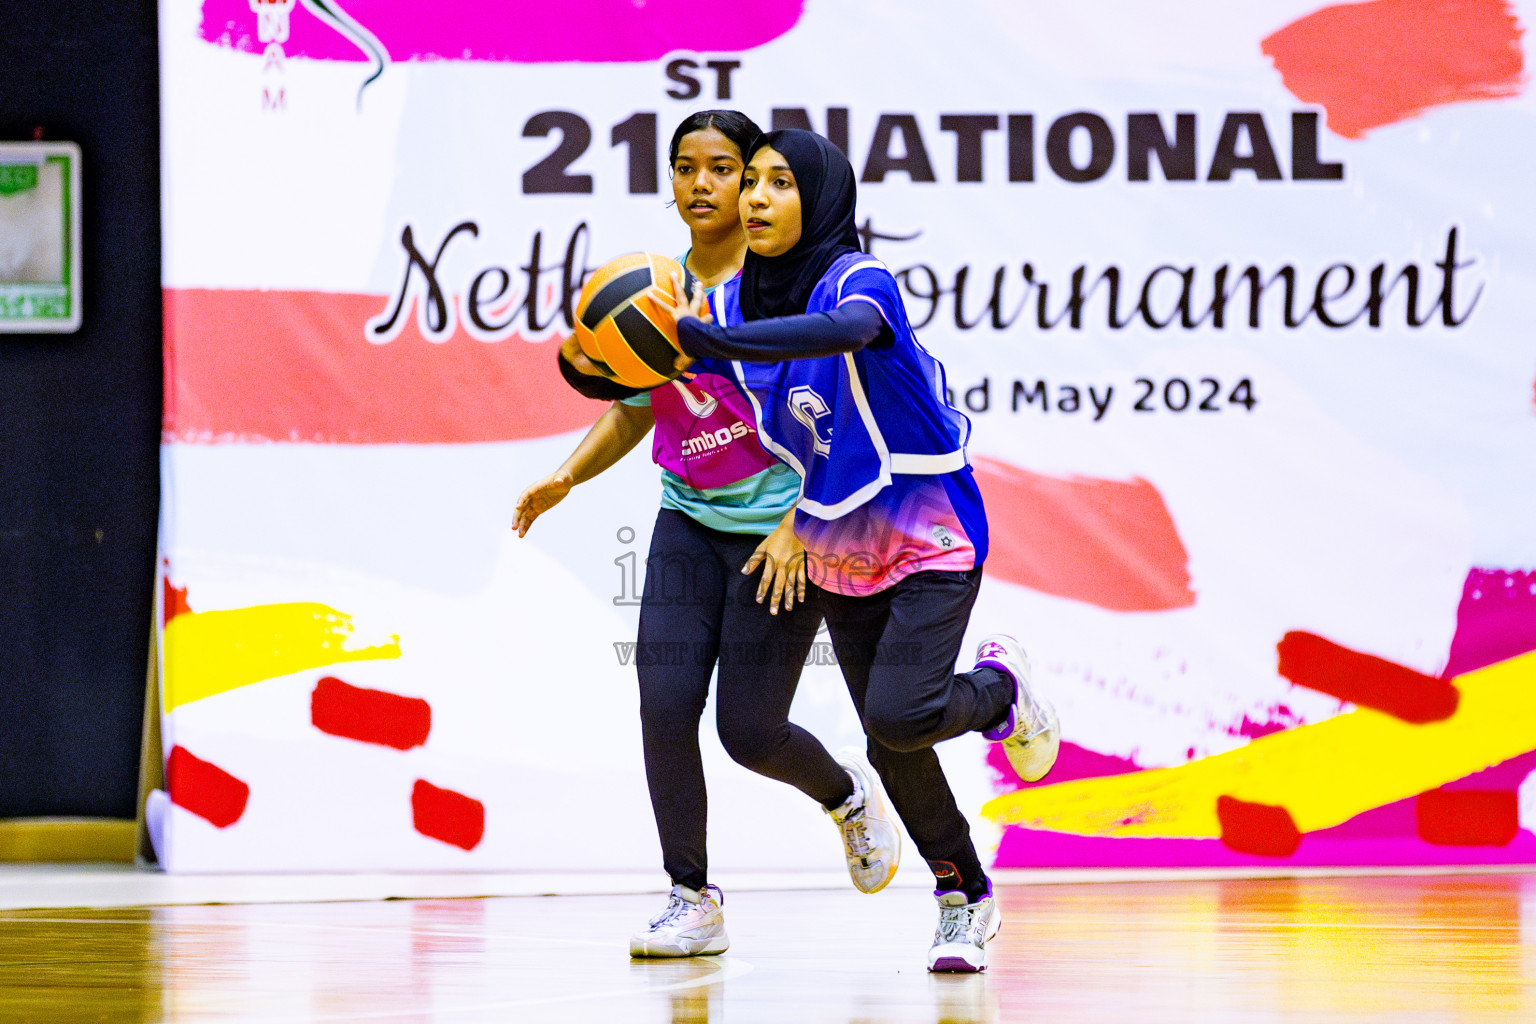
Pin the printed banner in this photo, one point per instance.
(1236, 298)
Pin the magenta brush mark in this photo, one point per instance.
(1389, 835)
(1495, 620)
(516, 32)
(1396, 819)
(1073, 762)
(1277, 719)
(1506, 775)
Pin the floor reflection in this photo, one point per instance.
(694, 986)
(81, 966)
(1303, 949)
(1443, 949)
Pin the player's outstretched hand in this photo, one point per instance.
(783, 562)
(542, 496)
(680, 305)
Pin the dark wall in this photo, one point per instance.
(80, 424)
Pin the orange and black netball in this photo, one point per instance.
(619, 325)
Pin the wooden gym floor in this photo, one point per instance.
(1449, 948)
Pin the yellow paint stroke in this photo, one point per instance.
(212, 652)
(1323, 774)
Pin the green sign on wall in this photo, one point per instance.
(39, 237)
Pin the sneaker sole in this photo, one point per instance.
(955, 965)
(642, 950)
(958, 964)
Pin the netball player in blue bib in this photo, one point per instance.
(815, 335)
(720, 518)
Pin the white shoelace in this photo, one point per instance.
(855, 837)
(676, 908)
(957, 923)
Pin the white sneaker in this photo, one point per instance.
(871, 841)
(1031, 734)
(960, 943)
(692, 925)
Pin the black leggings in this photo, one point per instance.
(697, 608)
(897, 649)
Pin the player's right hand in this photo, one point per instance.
(539, 498)
(571, 352)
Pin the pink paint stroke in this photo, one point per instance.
(1495, 620)
(517, 32)
(1073, 762)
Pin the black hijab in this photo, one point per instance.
(781, 285)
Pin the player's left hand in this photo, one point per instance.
(681, 305)
(783, 562)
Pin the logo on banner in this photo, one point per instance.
(272, 19)
(273, 23)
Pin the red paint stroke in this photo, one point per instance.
(371, 716)
(1495, 620)
(1259, 829)
(1072, 762)
(1109, 543)
(1363, 679)
(519, 31)
(1375, 63)
(205, 789)
(442, 814)
(295, 366)
(1468, 817)
(173, 601)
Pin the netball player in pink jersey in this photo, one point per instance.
(726, 510)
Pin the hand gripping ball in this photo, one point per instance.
(619, 325)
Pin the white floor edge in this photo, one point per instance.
(39, 886)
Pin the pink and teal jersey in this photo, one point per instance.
(713, 468)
